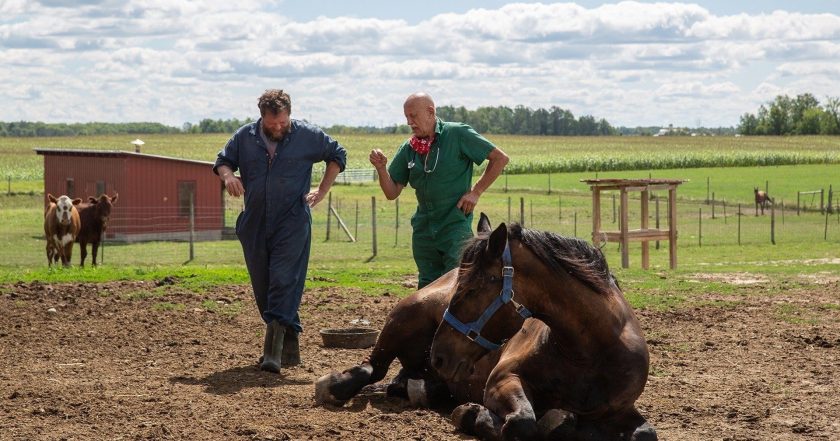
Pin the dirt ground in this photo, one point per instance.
(147, 360)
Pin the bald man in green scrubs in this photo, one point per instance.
(438, 163)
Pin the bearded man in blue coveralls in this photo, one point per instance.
(438, 163)
(274, 156)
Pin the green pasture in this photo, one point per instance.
(21, 168)
(807, 247)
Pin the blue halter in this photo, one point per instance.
(473, 330)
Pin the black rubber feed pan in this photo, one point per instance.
(352, 338)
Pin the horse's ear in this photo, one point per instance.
(484, 224)
(77, 201)
(498, 240)
(91, 200)
(114, 199)
(52, 198)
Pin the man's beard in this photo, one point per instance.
(276, 136)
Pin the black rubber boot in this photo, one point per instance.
(275, 333)
(291, 348)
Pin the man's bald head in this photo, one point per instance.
(419, 111)
(420, 98)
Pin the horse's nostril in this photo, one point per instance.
(472, 369)
(437, 363)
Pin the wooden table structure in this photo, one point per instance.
(645, 233)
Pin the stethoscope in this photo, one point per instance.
(426, 161)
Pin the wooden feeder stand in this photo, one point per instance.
(645, 233)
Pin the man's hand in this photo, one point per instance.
(378, 159)
(233, 185)
(313, 197)
(468, 202)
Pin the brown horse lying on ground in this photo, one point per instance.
(603, 405)
(573, 371)
(761, 200)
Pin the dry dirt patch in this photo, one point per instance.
(132, 360)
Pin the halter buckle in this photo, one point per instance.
(507, 271)
(472, 334)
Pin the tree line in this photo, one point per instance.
(31, 129)
(801, 115)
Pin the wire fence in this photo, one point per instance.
(361, 225)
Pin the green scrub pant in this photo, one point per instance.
(436, 254)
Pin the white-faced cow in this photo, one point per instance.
(94, 215)
(61, 227)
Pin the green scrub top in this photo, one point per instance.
(442, 176)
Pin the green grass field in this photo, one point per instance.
(806, 246)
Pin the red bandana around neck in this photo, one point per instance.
(420, 145)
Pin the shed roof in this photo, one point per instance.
(114, 154)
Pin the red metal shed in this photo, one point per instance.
(154, 191)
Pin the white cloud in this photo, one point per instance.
(632, 63)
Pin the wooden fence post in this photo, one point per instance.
(522, 211)
(560, 208)
(773, 224)
(329, 215)
(656, 199)
(700, 228)
(713, 205)
(549, 182)
(739, 224)
(373, 225)
(397, 224)
(192, 227)
(825, 232)
(724, 211)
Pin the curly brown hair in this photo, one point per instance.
(275, 101)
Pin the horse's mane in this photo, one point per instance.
(574, 256)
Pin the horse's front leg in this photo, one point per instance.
(508, 414)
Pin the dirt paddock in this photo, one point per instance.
(146, 360)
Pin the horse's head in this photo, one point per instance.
(482, 313)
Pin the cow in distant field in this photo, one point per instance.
(94, 215)
(61, 227)
(761, 200)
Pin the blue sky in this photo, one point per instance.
(635, 63)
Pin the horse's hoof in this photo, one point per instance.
(397, 390)
(322, 391)
(463, 417)
(645, 432)
(418, 396)
(557, 424)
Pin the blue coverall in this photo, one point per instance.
(275, 228)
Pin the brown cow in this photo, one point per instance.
(61, 226)
(94, 215)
